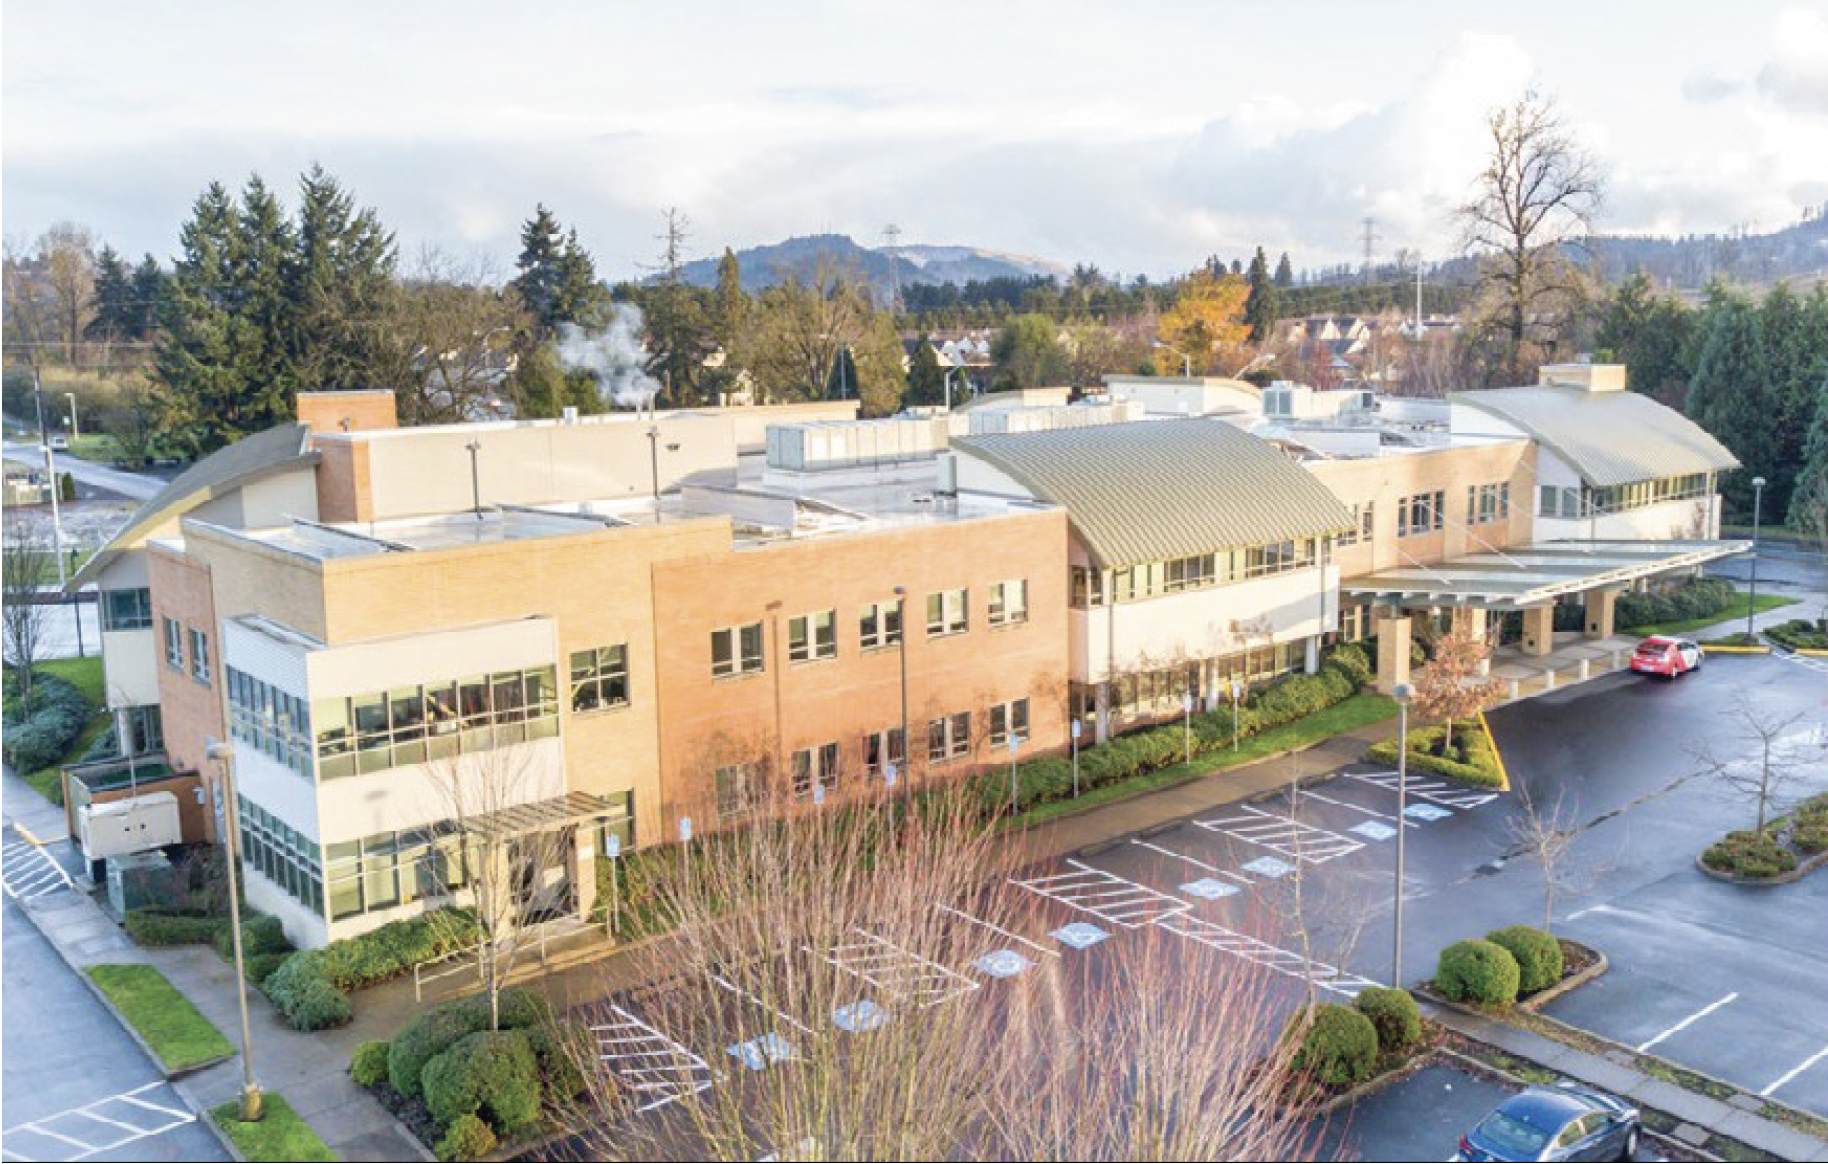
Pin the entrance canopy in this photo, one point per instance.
(1532, 575)
(524, 819)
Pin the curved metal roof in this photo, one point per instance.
(1152, 490)
(1609, 438)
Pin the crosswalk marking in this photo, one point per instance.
(898, 972)
(27, 871)
(102, 1126)
(1105, 895)
(1281, 834)
(1439, 791)
(649, 1063)
(1261, 953)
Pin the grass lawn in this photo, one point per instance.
(177, 1033)
(1364, 708)
(87, 675)
(1736, 610)
(95, 446)
(280, 1134)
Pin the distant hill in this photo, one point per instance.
(764, 266)
(1796, 252)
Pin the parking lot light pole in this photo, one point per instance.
(1402, 803)
(224, 754)
(1076, 726)
(1751, 604)
(1187, 716)
(901, 640)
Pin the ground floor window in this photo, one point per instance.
(948, 737)
(395, 868)
(145, 730)
(737, 787)
(281, 854)
(816, 766)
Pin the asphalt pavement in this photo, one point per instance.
(136, 486)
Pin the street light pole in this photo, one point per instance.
(901, 638)
(1187, 710)
(1186, 360)
(1758, 497)
(224, 753)
(50, 476)
(474, 448)
(1402, 823)
(74, 431)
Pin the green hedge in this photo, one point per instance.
(489, 1074)
(310, 988)
(1394, 1014)
(39, 738)
(154, 927)
(1477, 971)
(1692, 599)
(368, 1067)
(261, 934)
(1748, 853)
(1338, 1044)
(1538, 955)
(435, 1031)
(1481, 768)
(1800, 634)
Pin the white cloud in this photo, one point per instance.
(1796, 76)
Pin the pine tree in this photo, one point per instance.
(926, 379)
(1730, 396)
(1649, 334)
(338, 286)
(729, 303)
(1285, 274)
(1809, 501)
(1796, 336)
(149, 286)
(541, 247)
(194, 372)
(113, 311)
(1260, 309)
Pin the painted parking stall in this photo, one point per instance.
(94, 1128)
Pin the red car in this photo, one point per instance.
(1668, 657)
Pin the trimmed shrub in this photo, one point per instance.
(1749, 853)
(260, 934)
(369, 1065)
(58, 715)
(468, 1139)
(364, 960)
(260, 967)
(1480, 770)
(151, 927)
(1811, 835)
(519, 1010)
(491, 1074)
(1477, 971)
(1538, 956)
(1338, 1044)
(304, 993)
(1394, 1014)
(425, 1038)
(559, 1048)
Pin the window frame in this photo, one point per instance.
(174, 644)
(199, 655)
(1013, 714)
(879, 626)
(603, 669)
(1003, 612)
(812, 637)
(739, 663)
(948, 737)
(138, 618)
(948, 613)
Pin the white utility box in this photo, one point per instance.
(115, 828)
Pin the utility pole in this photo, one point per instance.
(1369, 239)
(891, 235)
(1418, 297)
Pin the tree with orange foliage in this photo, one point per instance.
(1451, 687)
(1209, 315)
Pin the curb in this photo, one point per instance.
(1504, 774)
(1803, 868)
(1811, 652)
(207, 1118)
(1723, 649)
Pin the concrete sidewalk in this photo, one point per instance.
(1616, 1073)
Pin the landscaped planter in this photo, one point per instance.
(1809, 817)
(1580, 963)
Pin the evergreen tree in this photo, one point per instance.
(1730, 396)
(842, 383)
(1027, 353)
(149, 284)
(1285, 274)
(1649, 334)
(729, 304)
(926, 379)
(113, 311)
(196, 377)
(1260, 309)
(1796, 337)
(1809, 500)
(542, 247)
(338, 287)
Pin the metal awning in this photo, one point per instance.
(1533, 574)
(537, 817)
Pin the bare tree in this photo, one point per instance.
(1544, 833)
(23, 570)
(1776, 747)
(1539, 191)
(68, 252)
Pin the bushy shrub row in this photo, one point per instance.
(153, 927)
(310, 987)
(1692, 599)
(1393, 1012)
(1800, 634)
(1481, 767)
(1495, 970)
(1338, 1044)
(1749, 853)
(41, 735)
(1538, 956)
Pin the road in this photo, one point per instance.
(136, 486)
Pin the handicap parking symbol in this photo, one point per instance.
(1002, 963)
(858, 1017)
(1428, 812)
(1375, 830)
(1269, 867)
(759, 1054)
(1209, 888)
(1079, 935)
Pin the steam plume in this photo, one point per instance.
(615, 356)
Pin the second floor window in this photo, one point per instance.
(947, 613)
(736, 650)
(1009, 602)
(199, 655)
(174, 645)
(124, 610)
(880, 625)
(812, 636)
(599, 678)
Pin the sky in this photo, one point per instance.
(1137, 135)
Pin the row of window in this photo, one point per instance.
(1578, 502)
(275, 722)
(1161, 692)
(413, 725)
(1364, 520)
(1488, 503)
(1095, 587)
(813, 637)
(175, 636)
(394, 868)
(281, 854)
(1421, 513)
(125, 610)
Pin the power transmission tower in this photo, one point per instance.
(891, 235)
(1371, 237)
(678, 229)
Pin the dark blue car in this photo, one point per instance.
(1562, 1122)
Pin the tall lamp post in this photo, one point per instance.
(1402, 822)
(74, 431)
(1186, 360)
(224, 754)
(1758, 497)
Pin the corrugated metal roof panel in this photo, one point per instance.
(1153, 490)
(1610, 438)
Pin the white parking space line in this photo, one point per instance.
(1310, 794)
(996, 929)
(1288, 962)
(1194, 861)
(102, 1126)
(26, 870)
(1439, 791)
(649, 1063)
(733, 988)
(1710, 1008)
(1105, 895)
(1281, 834)
(1793, 1072)
(897, 972)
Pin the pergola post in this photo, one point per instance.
(1597, 617)
(1539, 629)
(1393, 639)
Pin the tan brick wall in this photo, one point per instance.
(193, 712)
(347, 411)
(708, 722)
(344, 488)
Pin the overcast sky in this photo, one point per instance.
(1139, 135)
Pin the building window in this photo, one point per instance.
(1189, 573)
(735, 790)
(281, 854)
(199, 656)
(1350, 536)
(1009, 602)
(273, 722)
(174, 645)
(436, 721)
(1006, 718)
(736, 650)
(884, 747)
(1420, 513)
(599, 678)
(880, 625)
(125, 610)
(145, 730)
(811, 637)
(1366, 519)
(1504, 501)
(1087, 586)
(390, 869)
(818, 765)
(948, 737)
(947, 613)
